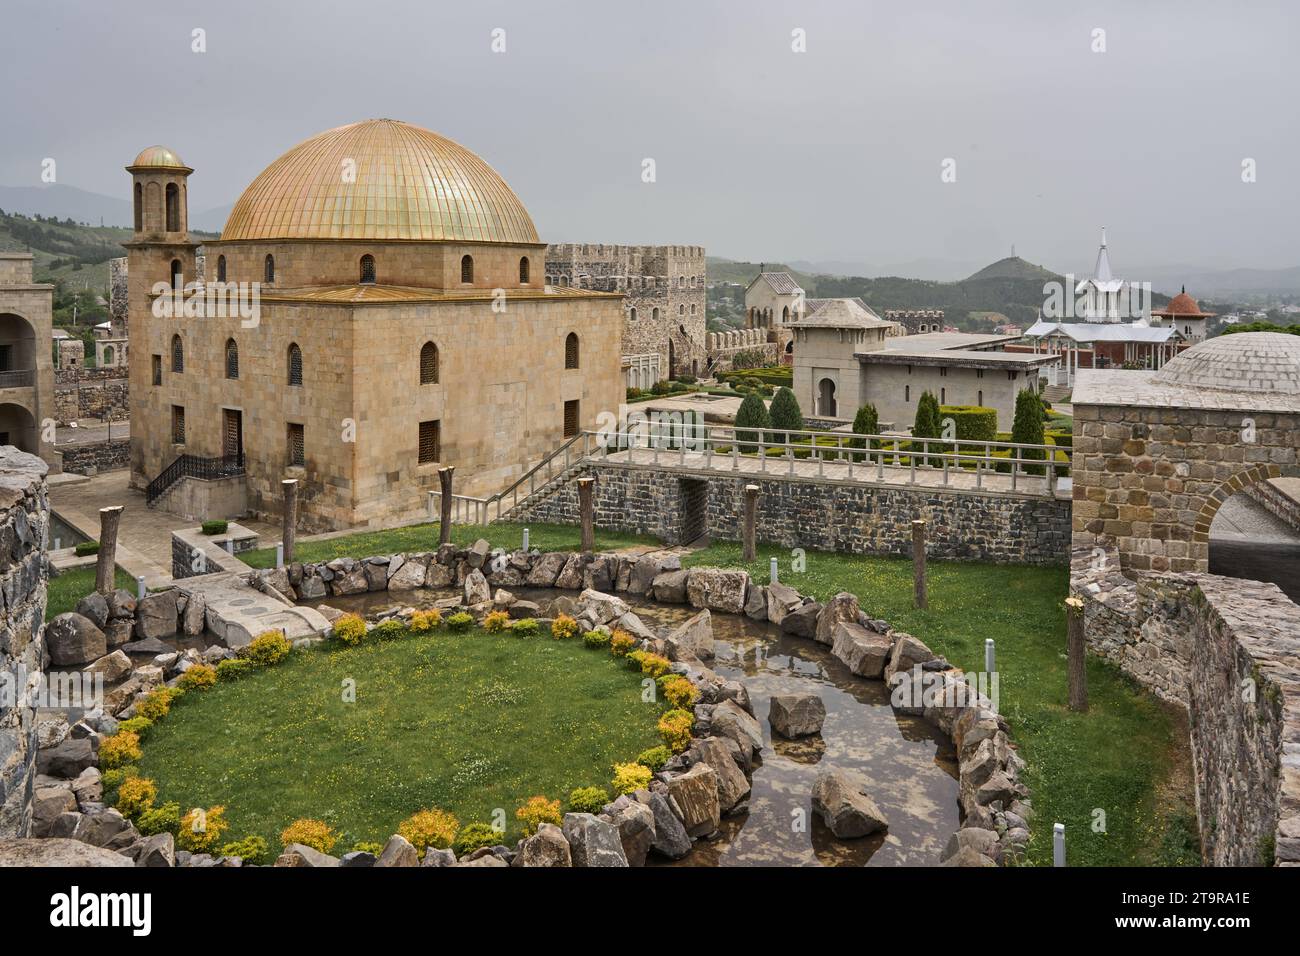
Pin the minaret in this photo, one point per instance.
(159, 251)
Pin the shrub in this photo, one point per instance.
(155, 705)
(563, 627)
(752, 414)
(313, 833)
(366, 846)
(785, 414)
(973, 422)
(525, 627)
(654, 758)
(252, 850)
(675, 728)
(496, 622)
(197, 677)
(1028, 427)
(269, 647)
(654, 665)
(233, 667)
(588, 799)
(425, 621)
(475, 836)
(662, 387)
(164, 819)
(927, 424)
(621, 643)
(429, 828)
(680, 692)
(630, 777)
(86, 548)
(121, 748)
(112, 779)
(634, 393)
(596, 639)
(200, 830)
(390, 627)
(135, 796)
(536, 811)
(214, 527)
(137, 725)
(350, 629)
(633, 659)
(460, 621)
(865, 422)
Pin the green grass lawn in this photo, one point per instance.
(424, 537)
(66, 589)
(1118, 758)
(462, 722)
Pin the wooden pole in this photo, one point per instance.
(1075, 648)
(588, 510)
(444, 522)
(289, 488)
(918, 564)
(106, 561)
(751, 523)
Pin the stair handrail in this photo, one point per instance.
(482, 507)
(193, 466)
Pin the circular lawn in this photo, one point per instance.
(362, 737)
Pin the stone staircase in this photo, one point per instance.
(1056, 393)
(540, 494)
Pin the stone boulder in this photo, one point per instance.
(605, 608)
(408, 577)
(671, 839)
(68, 759)
(570, 577)
(48, 804)
(907, 653)
(717, 589)
(195, 613)
(669, 587)
(643, 574)
(477, 554)
(796, 715)
(545, 848)
(477, 590)
(982, 841)
(439, 576)
(861, 650)
(72, 639)
(756, 602)
(296, 854)
(840, 797)
(842, 608)
(546, 569)
(731, 720)
(158, 850)
(781, 600)
(635, 823)
(733, 785)
(435, 857)
(967, 856)
(114, 667)
(802, 621)
(592, 841)
(398, 851)
(95, 607)
(692, 639)
(57, 852)
(156, 615)
(696, 794)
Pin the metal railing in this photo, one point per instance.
(467, 509)
(193, 466)
(18, 378)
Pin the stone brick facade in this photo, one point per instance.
(90, 458)
(24, 520)
(100, 397)
(821, 515)
(663, 307)
(723, 347)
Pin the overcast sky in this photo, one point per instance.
(761, 152)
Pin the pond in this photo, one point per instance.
(911, 765)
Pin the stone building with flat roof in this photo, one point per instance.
(26, 358)
(401, 323)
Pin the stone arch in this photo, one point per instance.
(1238, 482)
(17, 350)
(18, 428)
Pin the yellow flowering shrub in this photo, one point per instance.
(429, 828)
(654, 757)
(350, 629)
(200, 830)
(135, 796)
(198, 677)
(675, 728)
(269, 647)
(137, 725)
(496, 622)
(536, 811)
(425, 621)
(621, 643)
(121, 748)
(679, 692)
(252, 850)
(313, 833)
(155, 705)
(630, 777)
(654, 665)
(563, 627)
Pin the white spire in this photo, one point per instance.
(1102, 271)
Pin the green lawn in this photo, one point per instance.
(424, 537)
(66, 589)
(1116, 758)
(462, 722)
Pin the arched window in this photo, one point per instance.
(232, 359)
(429, 364)
(221, 268)
(631, 313)
(178, 354)
(176, 274)
(681, 310)
(268, 270)
(108, 355)
(139, 207)
(654, 314)
(571, 350)
(523, 270)
(367, 270)
(173, 208)
(295, 364)
(466, 268)
(785, 315)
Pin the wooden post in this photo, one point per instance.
(587, 509)
(289, 488)
(444, 522)
(1075, 649)
(751, 523)
(106, 562)
(918, 564)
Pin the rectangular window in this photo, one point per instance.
(943, 373)
(907, 393)
(178, 425)
(979, 373)
(943, 396)
(157, 369)
(570, 418)
(430, 442)
(297, 447)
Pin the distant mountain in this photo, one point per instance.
(1013, 267)
(937, 270)
(729, 270)
(1226, 283)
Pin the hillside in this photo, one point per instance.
(1013, 267)
(729, 270)
(67, 251)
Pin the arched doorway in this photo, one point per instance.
(17, 351)
(18, 428)
(826, 398)
(1254, 534)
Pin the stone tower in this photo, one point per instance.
(160, 251)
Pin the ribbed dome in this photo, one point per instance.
(159, 157)
(409, 183)
(1245, 362)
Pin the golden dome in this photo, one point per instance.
(380, 179)
(158, 157)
